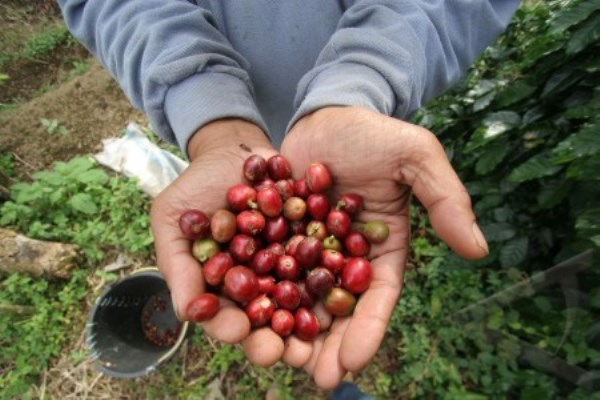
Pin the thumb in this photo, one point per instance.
(426, 169)
(181, 270)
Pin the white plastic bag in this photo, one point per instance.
(134, 155)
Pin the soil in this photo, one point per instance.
(92, 107)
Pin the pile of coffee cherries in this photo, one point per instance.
(281, 246)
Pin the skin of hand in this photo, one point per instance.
(217, 152)
(384, 160)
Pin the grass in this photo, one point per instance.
(28, 33)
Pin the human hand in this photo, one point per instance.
(217, 153)
(383, 160)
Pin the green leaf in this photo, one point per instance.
(584, 169)
(595, 299)
(96, 176)
(561, 80)
(595, 239)
(574, 15)
(498, 232)
(589, 220)
(49, 177)
(76, 166)
(494, 124)
(27, 195)
(83, 202)
(516, 91)
(592, 66)
(536, 167)
(514, 252)
(543, 304)
(56, 196)
(435, 305)
(488, 202)
(553, 193)
(8, 216)
(492, 155)
(483, 101)
(586, 142)
(500, 122)
(482, 87)
(588, 33)
(533, 114)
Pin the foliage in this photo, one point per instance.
(52, 126)
(79, 68)
(451, 339)
(30, 341)
(3, 78)
(522, 130)
(7, 164)
(78, 202)
(45, 42)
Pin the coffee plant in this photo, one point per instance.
(523, 132)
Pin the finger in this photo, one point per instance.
(297, 352)
(439, 189)
(367, 326)
(316, 350)
(329, 370)
(180, 269)
(263, 347)
(229, 325)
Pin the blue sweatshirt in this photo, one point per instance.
(186, 63)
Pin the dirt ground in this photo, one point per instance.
(44, 85)
(91, 107)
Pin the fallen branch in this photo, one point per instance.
(16, 309)
(35, 257)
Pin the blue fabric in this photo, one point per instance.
(348, 391)
(186, 63)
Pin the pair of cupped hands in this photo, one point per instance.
(378, 157)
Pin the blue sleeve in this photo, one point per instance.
(170, 59)
(393, 56)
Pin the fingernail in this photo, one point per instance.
(480, 239)
(176, 307)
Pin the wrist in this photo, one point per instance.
(231, 135)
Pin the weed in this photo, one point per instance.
(44, 43)
(78, 202)
(29, 342)
(3, 78)
(10, 107)
(79, 68)
(52, 126)
(7, 164)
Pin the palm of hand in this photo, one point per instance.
(201, 186)
(380, 158)
(357, 165)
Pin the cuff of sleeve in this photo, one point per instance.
(207, 97)
(344, 84)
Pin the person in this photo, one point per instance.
(327, 81)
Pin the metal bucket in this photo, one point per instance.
(132, 327)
